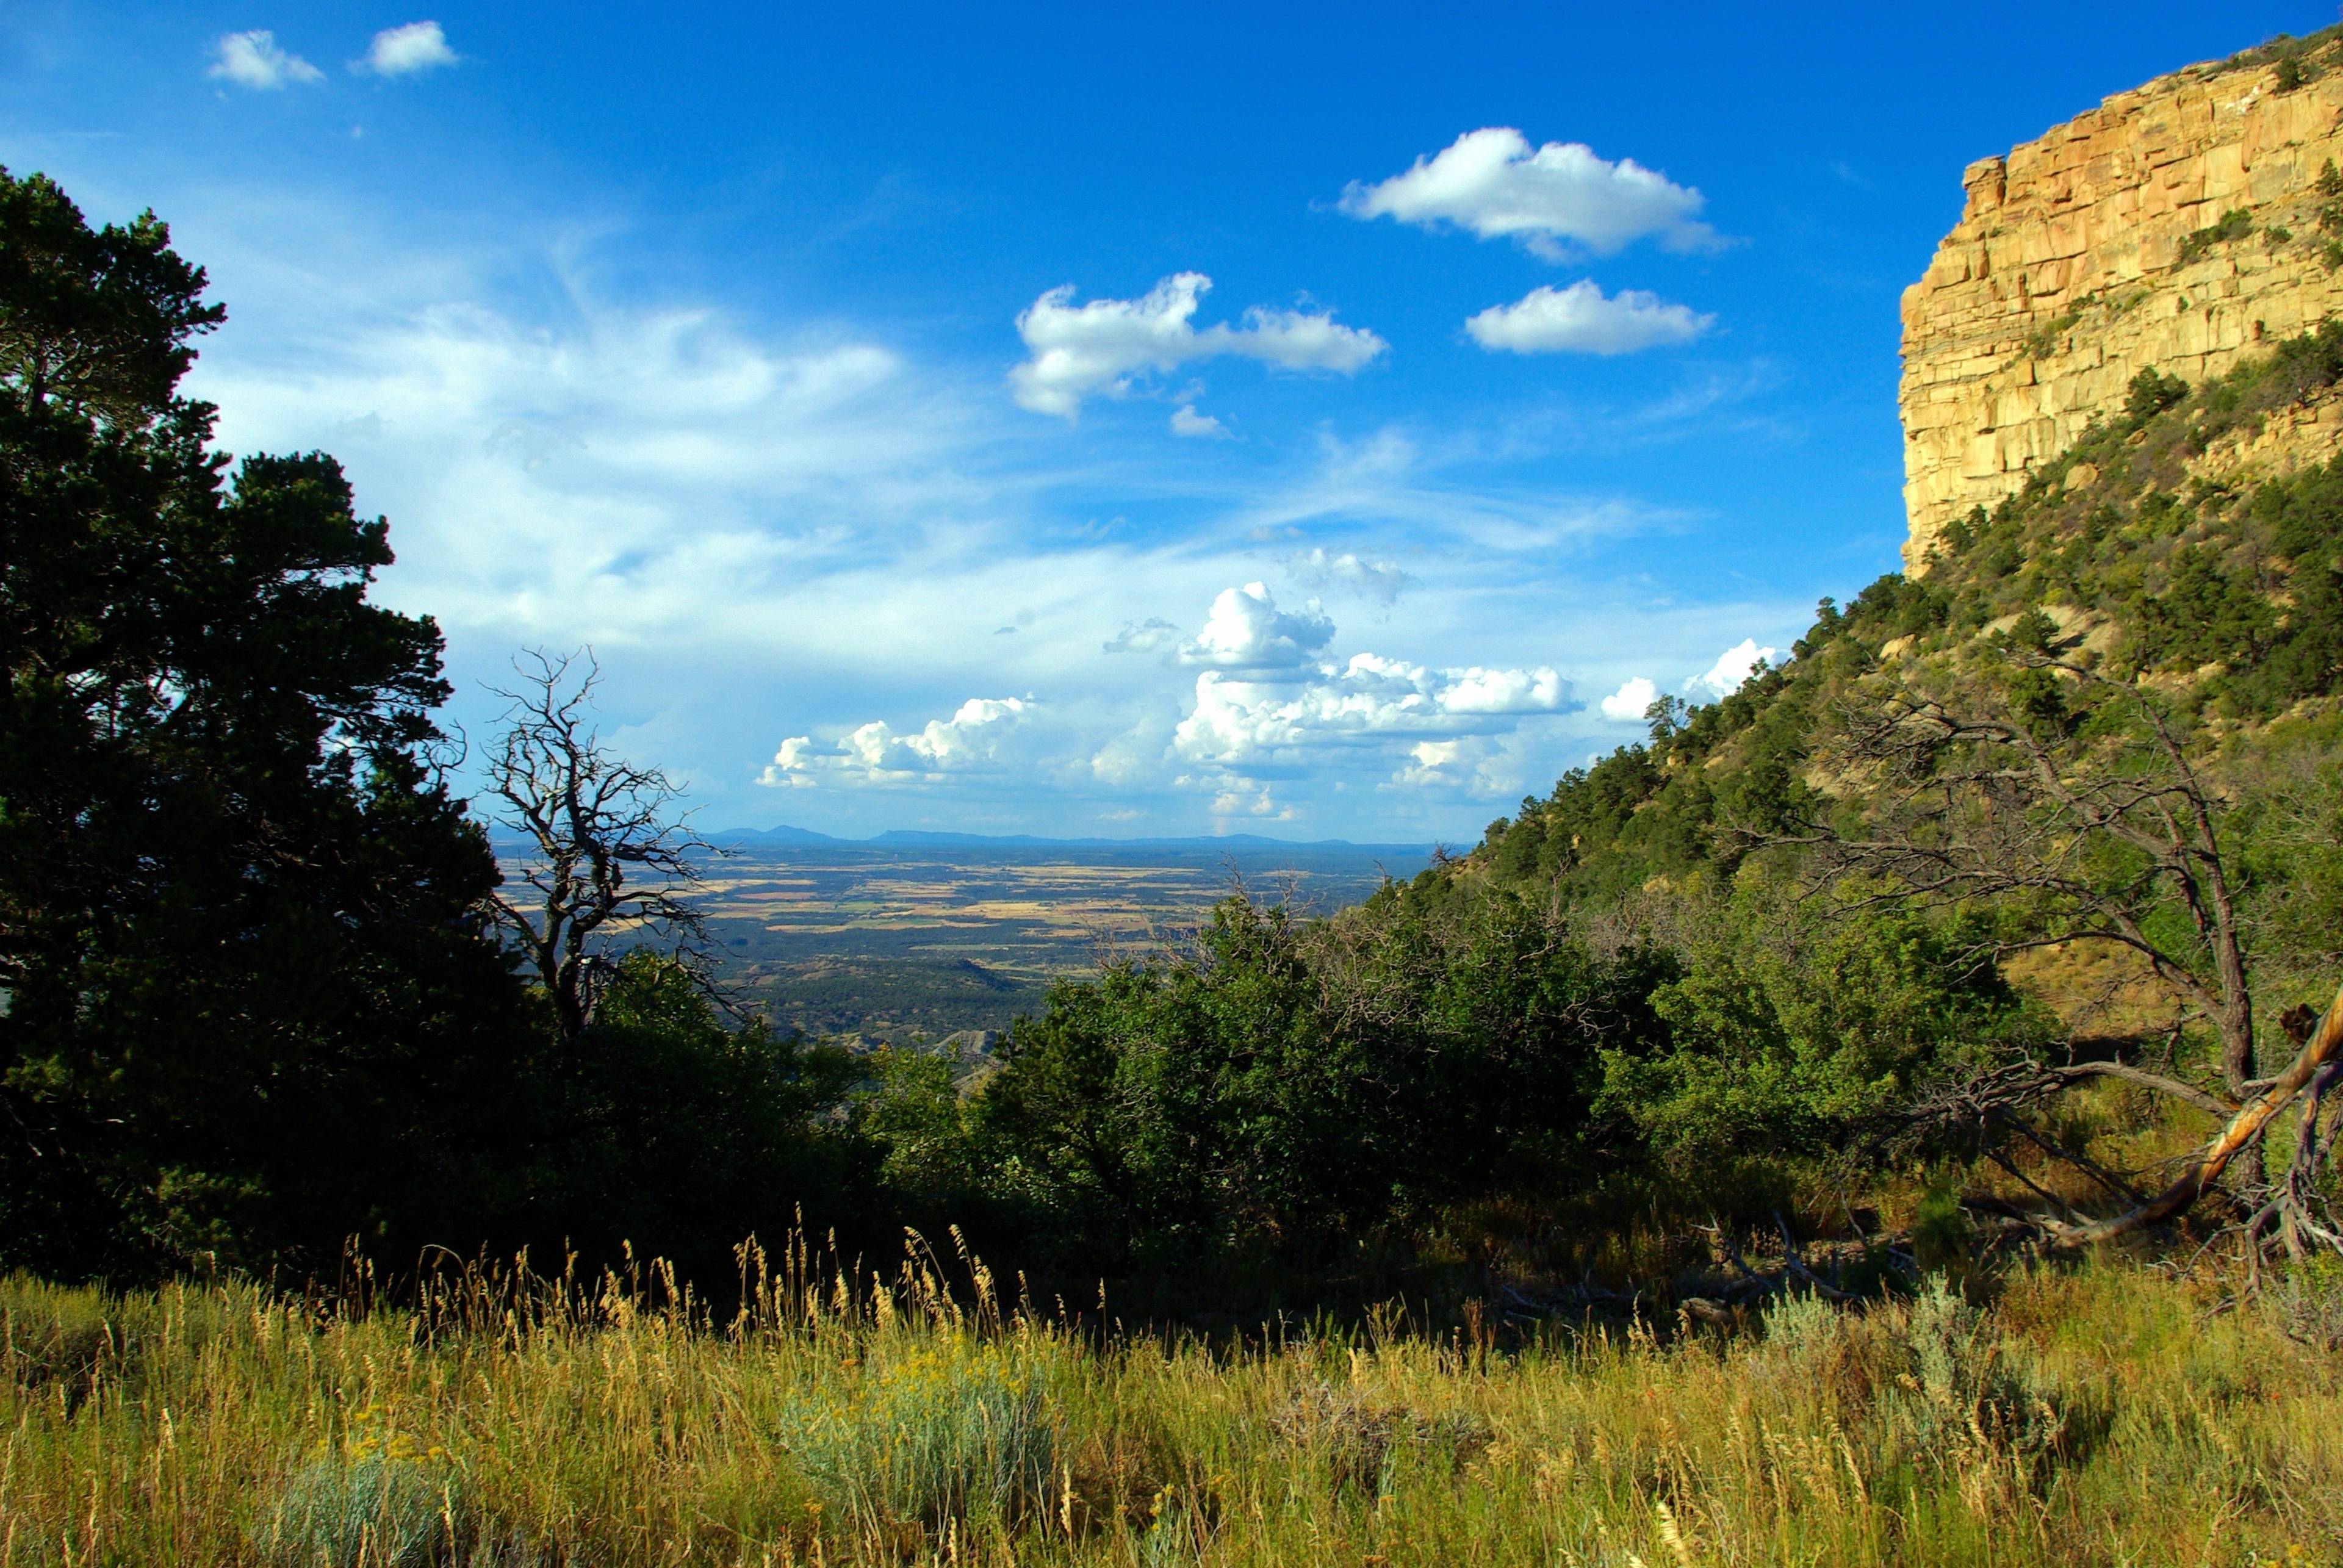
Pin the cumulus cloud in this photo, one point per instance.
(253, 60)
(1366, 700)
(1267, 701)
(1246, 630)
(1142, 636)
(404, 51)
(982, 737)
(1733, 667)
(1583, 319)
(1492, 182)
(1477, 763)
(1076, 351)
(1186, 421)
(698, 494)
(1247, 798)
(1382, 581)
(1629, 702)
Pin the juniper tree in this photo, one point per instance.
(243, 979)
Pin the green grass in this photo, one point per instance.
(2099, 1416)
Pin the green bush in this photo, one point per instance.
(1290, 1088)
(2234, 224)
(1959, 1391)
(949, 1429)
(366, 1509)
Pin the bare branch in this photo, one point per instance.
(2317, 1053)
(609, 852)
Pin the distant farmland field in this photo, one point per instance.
(891, 941)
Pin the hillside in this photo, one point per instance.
(2147, 490)
(2008, 896)
(2223, 592)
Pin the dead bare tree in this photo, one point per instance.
(2075, 799)
(2100, 840)
(609, 852)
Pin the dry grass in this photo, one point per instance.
(2096, 1417)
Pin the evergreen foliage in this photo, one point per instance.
(248, 995)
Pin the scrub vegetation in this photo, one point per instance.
(2090, 1416)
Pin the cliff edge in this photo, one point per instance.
(2174, 228)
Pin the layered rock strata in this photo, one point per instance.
(2174, 228)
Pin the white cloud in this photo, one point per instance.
(1247, 798)
(253, 60)
(1475, 764)
(1629, 702)
(1733, 667)
(1478, 690)
(1142, 636)
(1268, 708)
(1078, 350)
(1583, 319)
(982, 737)
(698, 494)
(1492, 182)
(404, 51)
(1366, 700)
(1382, 581)
(1246, 630)
(1433, 762)
(1186, 421)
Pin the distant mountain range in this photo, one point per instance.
(907, 839)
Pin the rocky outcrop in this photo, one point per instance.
(2174, 228)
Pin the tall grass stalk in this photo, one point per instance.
(2101, 1416)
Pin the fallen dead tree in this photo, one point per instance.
(2293, 1206)
(2290, 1209)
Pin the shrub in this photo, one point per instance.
(1363, 1443)
(1960, 1392)
(948, 1431)
(2306, 1303)
(366, 1509)
(1803, 1328)
(2150, 394)
(2235, 225)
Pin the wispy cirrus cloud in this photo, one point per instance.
(1149, 636)
(1382, 581)
(1186, 421)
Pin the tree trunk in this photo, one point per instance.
(2325, 1045)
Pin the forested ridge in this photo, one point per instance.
(2059, 812)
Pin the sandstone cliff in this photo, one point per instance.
(2175, 226)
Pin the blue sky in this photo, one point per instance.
(1295, 420)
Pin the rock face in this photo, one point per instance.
(2115, 242)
